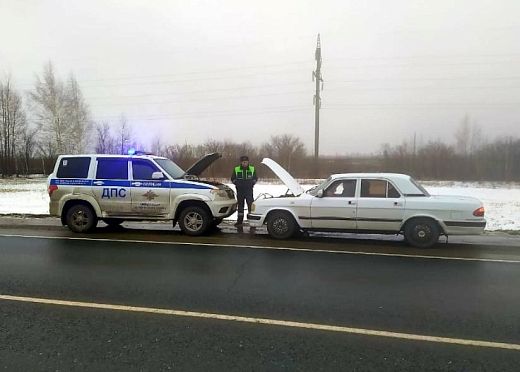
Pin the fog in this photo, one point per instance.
(187, 71)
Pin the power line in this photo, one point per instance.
(340, 106)
(272, 110)
(204, 99)
(163, 82)
(207, 90)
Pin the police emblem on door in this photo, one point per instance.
(150, 195)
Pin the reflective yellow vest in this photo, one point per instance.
(239, 173)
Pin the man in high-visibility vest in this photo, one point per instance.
(244, 178)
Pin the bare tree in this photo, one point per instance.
(124, 137)
(183, 155)
(78, 116)
(28, 147)
(105, 141)
(62, 115)
(463, 136)
(157, 147)
(284, 148)
(49, 104)
(12, 124)
(477, 139)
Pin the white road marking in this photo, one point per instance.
(265, 321)
(264, 247)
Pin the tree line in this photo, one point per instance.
(53, 118)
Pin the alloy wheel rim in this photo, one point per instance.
(280, 225)
(80, 218)
(193, 221)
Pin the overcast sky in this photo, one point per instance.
(189, 71)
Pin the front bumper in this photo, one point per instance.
(222, 208)
(255, 220)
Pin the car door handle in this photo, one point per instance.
(136, 184)
(99, 183)
(396, 204)
(350, 202)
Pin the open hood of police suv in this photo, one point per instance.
(202, 164)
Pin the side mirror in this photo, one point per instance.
(320, 193)
(157, 176)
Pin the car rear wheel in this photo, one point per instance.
(281, 225)
(422, 232)
(81, 218)
(194, 221)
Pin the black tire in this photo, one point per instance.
(216, 222)
(422, 232)
(194, 221)
(281, 225)
(113, 222)
(81, 218)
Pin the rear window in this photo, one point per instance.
(378, 189)
(73, 168)
(112, 169)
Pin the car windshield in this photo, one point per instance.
(421, 191)
(314, 190)
(171, 168)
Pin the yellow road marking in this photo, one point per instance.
(361, 253)
(266, 321)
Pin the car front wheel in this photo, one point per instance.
(281, 225)
(422, 232)
(194, 221)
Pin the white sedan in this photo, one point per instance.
(379, 203)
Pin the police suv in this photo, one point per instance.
(84, 189)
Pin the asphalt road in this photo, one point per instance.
(365, 287)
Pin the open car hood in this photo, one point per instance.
(202, 164)
(284, 176)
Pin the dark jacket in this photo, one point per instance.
(244, 178)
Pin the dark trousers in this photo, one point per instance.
(247, 196)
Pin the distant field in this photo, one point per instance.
(502, 201)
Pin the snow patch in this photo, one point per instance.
(501, 200)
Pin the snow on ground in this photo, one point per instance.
(501, 200)
(24, 196)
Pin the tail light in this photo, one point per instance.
(479, 212)
(51, 189)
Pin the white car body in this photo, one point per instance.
(405, 200)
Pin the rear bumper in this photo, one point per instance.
(54, 208)
(464, 227)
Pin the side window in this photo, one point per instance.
(143, 169)
(392, 191)
(73, 168)
(112, 169)
(373, 189)
(378, 189)
(342, 189)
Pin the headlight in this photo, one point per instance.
(222, 194)
(253, 207)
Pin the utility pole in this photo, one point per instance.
(316, 76)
